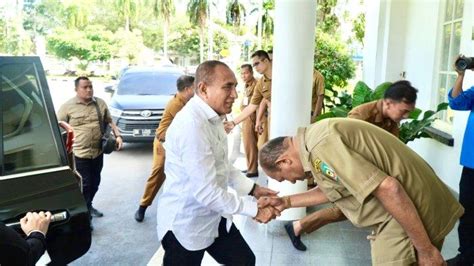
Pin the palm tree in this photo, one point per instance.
(164, 9)
(265, 21)
(127, 9)
(235, 13)
(198, 13)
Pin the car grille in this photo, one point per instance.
(132, 119)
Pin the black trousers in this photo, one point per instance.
(466, 222)
(90, 171)
(229, 248)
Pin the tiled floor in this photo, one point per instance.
(334, 244)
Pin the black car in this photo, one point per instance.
(35, 166)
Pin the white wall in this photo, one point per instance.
(410, 32)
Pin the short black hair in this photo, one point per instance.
(271, 151)
(248, 66)
(76, 81)
(205, 71)
(401, 91)
(261, 54)
(184, 81)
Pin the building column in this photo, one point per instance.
(293, 64)
(384, 41)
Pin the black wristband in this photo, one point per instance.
(253, 189)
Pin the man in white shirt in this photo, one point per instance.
(195, 198)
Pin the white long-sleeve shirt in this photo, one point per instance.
(198, 174)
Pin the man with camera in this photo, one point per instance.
(464, 101)
(86, 113)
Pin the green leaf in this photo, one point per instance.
(442, 106)
(361, 94)
(380, 91)
(325, 115)
(428, 114)
(340, 111)
(414, 114)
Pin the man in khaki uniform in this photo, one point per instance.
(249, 136)
(81, 113)
(262, 91)
(185, 92)
(376, 181)
(399, 100)
(317, 96)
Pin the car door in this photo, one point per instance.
(34, 170)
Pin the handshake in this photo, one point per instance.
(271, 207)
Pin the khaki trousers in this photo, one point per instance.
(390, 245)
(250, 139)
(320, 218)
(157, 176)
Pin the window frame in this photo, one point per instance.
(50, 113)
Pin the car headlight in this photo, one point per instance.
(115, 112)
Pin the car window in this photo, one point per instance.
(27, 137)
(147, 83)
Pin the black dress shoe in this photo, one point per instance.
(140, 214)
(459, 260)
(252, 174)
(244, 171)
(96, 213)
(295, 240)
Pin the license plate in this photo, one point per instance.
(146, 132)
(142, 132)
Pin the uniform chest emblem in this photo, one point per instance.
(327, 171)
(316, 164)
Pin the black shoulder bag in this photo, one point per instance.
(107, 141)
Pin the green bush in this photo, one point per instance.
(332, 59)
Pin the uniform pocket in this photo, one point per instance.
(333, 195)
(77, 119)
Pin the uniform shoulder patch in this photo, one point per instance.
(328, 171)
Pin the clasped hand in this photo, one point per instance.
(269, 208)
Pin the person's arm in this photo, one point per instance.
(16, 250)
(260, 114)
(118, 136)
(62, 114)
(311, 197)
(395, 200)
(457, 89)
(457, 98)
(115, 130)
(229, 125)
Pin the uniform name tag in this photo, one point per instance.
(246, 101)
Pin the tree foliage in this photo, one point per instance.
(327, 20)
(332, 59)
(235, 13)
(92, 44)
(359, 27)
(198, 12)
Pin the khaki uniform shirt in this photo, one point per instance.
(318, 88)
(263, 89)
(85, 122)
(372, 112)
(248, 93)
(172, 108)
(350, 158)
